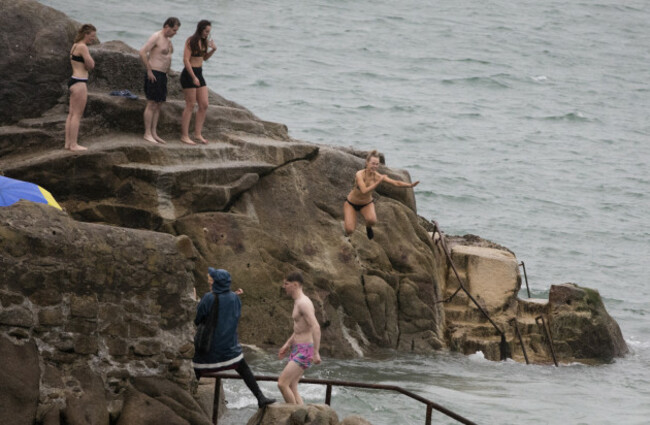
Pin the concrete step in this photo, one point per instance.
(532, 306)
(455, 313)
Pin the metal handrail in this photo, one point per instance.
(328, 394)
(547, 331)
(523, 265)
(503, 346)
(521, 340)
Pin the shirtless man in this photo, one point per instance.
(304, 342)
(156, 55)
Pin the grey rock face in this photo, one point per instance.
(34, 61)
(19, 381)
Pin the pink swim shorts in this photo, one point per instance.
(302, 354)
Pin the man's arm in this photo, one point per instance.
(144, 54)
(285, 348)
(310, 318)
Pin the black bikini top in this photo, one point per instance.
(76, 58)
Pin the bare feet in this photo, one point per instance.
(149, 138)
(77, 148)
(159, 139)
(201, 139)
(187, 140)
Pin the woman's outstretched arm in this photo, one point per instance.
(399, 183)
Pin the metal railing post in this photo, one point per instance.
(521, 340)
(523, 266)
(429, 410)
(215, 401)
(328, 395)
(547, 331)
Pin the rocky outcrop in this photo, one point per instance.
(256, 202)
(97, 300)
(19, 376)
(88, 307)
(578, 324)
(33, 63)
(291, 414)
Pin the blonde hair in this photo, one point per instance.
(372, 154)
(83, 31)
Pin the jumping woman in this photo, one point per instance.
(360, 197)
(192, 81)
(81, 64)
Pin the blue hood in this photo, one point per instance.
(221, 279)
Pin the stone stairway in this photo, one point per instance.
(125, 180)
(492, 277)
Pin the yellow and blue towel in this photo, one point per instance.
(12, 191)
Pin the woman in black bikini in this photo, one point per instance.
(81, 62)
(360, 197)
(193, 83)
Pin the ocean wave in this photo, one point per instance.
(477, 81)
(539, 78)
(571, 116)
(633, 342)
(261, 83)
(471, 60)
(478, 357)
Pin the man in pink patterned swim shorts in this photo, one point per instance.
(304, 342)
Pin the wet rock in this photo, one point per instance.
(51, 316)
(16, 316)
(354, 420)
(40, 37)
(174, 397)
(19, 382)
(581, 327)
(143, 410)
(89, 406)
(291, 414)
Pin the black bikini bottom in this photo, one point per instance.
(358, 207)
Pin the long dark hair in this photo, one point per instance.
(85, 29)
(198, 48)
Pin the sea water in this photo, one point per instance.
(527, 123)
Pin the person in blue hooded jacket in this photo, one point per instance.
(225, 351)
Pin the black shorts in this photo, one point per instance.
(186, 79)
(157, 90)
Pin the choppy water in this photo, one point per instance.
(527, 122)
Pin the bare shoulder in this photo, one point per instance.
(304, 304)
